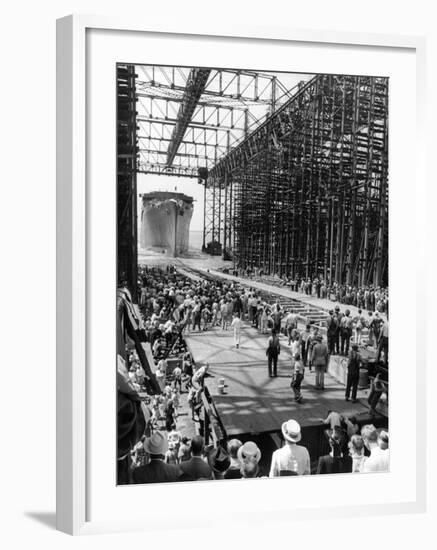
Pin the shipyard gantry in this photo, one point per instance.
(295, 178)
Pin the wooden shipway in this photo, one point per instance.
(253, 403)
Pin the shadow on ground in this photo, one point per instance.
(45, 518)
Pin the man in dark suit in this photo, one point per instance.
(353, 373)
(196, 467)
(157, 471)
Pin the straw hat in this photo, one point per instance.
(291, 431)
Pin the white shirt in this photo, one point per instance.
(333, 419)
(236, 324)
(378, 461)
(291, 458)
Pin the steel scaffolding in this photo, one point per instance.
(306, 193)
(127, 150)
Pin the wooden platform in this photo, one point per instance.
(253, 402)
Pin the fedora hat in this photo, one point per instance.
(156, 444)
(291, 431)
(249, 452)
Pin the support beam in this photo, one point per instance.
(195, 86)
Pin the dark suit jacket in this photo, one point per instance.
(329, 465)
(196, 468)
(157, 471)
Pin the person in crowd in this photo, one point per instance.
(338, 317)
(331, 331)
(290, 325)
(264, 319)
(383, 439)
(295, 346)
(377, 388)
(304, 339)
(359, 325)
(334, 419)
(184, 452)
(236, 326)
(177, 378)
(356, 452)
(346, 324)
(297, 377)
(375, 326)
(174, 442)
(291, 459)
(383, 342)
(206, 317)
(253, 307)
(369, 324)
(277, 317)
(156, 470)
(313, 339)
(351, 425)
(196, 467)
(320, 361)
(335, 462)
(378, 461)
(273, 350)
(219, 462)
(170, 422)
(224, 314)
(249, 456)
(233, 472)
(353, 373)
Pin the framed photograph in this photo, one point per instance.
(232, 258)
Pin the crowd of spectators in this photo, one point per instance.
(172, 457)
(172, 305)
(369, 297)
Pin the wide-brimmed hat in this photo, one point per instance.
(156, 444)
(291, 431)
(249, 452)
(219, 459)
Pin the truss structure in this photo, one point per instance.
(189, 118)
(295, 180)
(309, 187)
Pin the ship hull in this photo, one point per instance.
(165, 223)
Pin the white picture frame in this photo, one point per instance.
(73, 460)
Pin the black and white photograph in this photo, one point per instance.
(252, 304)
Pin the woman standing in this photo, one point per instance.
(335, 462)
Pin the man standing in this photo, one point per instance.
(338, 317)
(272, 352)
(156, 471)
(290, 325)
(345, 332)
(353, 373)
(331, 332)
(320, 360)
(383, 342)
(196, 467)
(305, 340)
(236, 325)
(292, 459)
